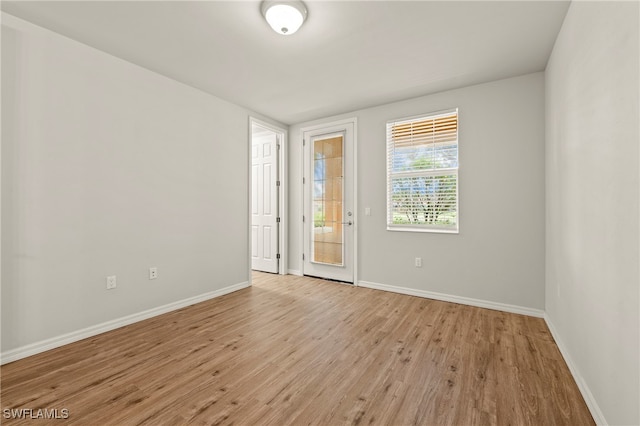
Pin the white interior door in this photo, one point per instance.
(329, 215)
(264, 201)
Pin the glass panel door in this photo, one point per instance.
(328, 220)
(328, 176)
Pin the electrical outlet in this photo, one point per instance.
(111, 282)
(418, 262)
(153, 273)
(367, 211)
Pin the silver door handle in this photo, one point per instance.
(348, 223)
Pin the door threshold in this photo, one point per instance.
(329, 279)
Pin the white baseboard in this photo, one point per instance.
(522, 310)
(295, 272)
(589, 399)
(74, 336)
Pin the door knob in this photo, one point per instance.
(348, 223)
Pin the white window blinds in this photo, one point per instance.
(422, 173)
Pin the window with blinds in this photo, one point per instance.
(422, 173)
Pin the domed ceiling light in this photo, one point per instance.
(285, 17)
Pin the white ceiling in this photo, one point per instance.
(347, 55)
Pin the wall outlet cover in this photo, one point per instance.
(111, 282)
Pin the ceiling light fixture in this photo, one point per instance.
(285, 17)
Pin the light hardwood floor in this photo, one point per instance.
(293, 350)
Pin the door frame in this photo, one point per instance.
(283, 191)
(354, 122)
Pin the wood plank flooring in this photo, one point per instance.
(293, 350)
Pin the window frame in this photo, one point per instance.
(449, 171)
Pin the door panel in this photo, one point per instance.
(254, 241)
(266, 243)
(255, 168)
(328, 197)
(264, 202)
(267, 198)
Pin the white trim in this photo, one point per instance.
(283, 198)
(420, 228)
(588, 397)
(332, 123)
(295, 272)
(356, 215)
(299, 219)
(435, 114)
(505, 307)
(249, 200)
(74, 336)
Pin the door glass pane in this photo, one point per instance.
(327, 244)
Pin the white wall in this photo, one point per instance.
(592, 192)
(498, 255)
(109, 169)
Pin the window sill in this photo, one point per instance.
(420, 229)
